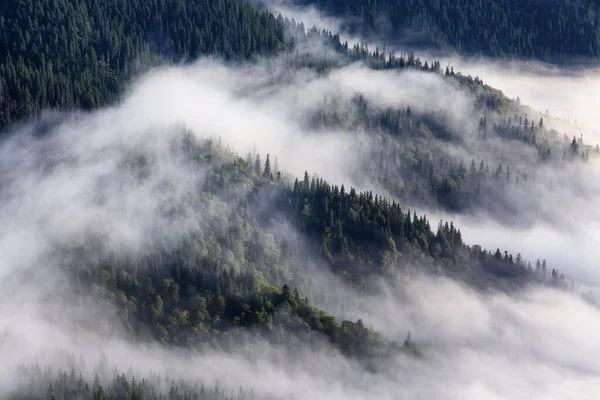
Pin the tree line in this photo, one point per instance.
(553, 30)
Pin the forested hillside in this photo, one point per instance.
(547, 30)
(170, 237)
(414, 146)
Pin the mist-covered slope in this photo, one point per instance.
(324, 220)
(137, 228)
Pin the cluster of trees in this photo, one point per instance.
(52, 384)
(409, 154)
(358, 233)
(234, 269)
(508, 28)
(301, 41)
(362, 235)
(229, 272)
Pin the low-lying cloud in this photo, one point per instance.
(58, 188)
(568, 93)
(475, 346)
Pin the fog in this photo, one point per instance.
(565, 232)
(475, 347)
(491, 346)
(570, 96)
(70, 183)
(561, 210)
(567, 93)
(311, 17)
(70, 180)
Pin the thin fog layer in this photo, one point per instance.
(567, 93)
(310, 16)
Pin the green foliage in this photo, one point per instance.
(226, 275)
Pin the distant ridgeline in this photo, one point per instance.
(548, 30)
(241, 268)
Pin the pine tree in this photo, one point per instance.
(267, 170)
(257, 165)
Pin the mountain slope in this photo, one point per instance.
(127, 231)
(65, 54)
(548, 30)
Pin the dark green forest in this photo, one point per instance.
(552, 30)
(63, 54)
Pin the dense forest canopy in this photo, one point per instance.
(547, 30)
(64, 54)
